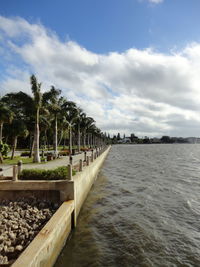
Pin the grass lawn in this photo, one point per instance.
(25, 160)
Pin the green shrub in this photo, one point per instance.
(60, 173)
(4, 149)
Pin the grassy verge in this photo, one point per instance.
(25, 160)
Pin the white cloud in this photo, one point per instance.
(140, 91)
(156, 1)
(153, 1)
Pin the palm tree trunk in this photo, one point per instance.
(92, 139)
(31, 146)
(79, 143)
(45, 139)
(14, 146)
(56, 138)
(61, 138)
(1, 158)
(1, 131)
(84, 139)
(64, 143)
(88, 140)
(70, 140)
(48, 143)
(36, 156)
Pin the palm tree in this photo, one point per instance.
(37, 99)
(70, 112)
(64, 132)
(80, 116)
(98, 135)
(92, 131)
(29, 110)
(53, 103)
(86, 123)
(45, 125)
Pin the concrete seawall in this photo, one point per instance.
(46, 246)
(84, 180)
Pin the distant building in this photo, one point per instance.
(193, 140)
(155, 140)
(125, 140)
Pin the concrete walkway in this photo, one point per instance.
(64, 161)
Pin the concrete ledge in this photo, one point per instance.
(32, 184)
(65, 188)
(46, 246)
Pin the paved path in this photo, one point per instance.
(64, 161)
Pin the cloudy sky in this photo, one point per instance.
(133, 65)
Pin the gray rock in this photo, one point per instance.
(12, 235)
(20, 221)
(19, 247)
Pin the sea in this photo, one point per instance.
(142, 211)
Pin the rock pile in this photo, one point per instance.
(20, 221)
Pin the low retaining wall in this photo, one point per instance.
(46, 246)
(55, 191)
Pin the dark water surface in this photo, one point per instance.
(143, 210)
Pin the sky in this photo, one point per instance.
(133, 65)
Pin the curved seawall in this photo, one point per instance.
(46, 246)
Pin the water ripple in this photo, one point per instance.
(144, 210)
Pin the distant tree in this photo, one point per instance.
(114, 139)
(134, 138)
(146, 140)
(118, 137)
(166, 139)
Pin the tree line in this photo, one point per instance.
(42, 119)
